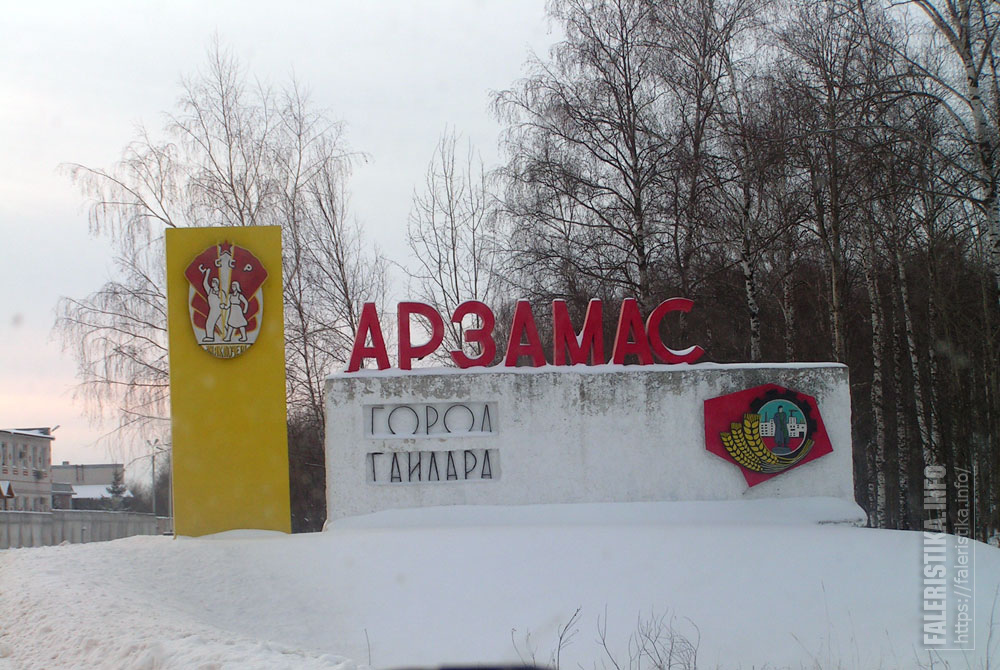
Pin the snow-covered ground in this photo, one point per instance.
(752, 584)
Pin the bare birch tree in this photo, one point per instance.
(827, 69)
(587, 149)
(971, 94)
(746, 152)
(451, 235)
(232, 154)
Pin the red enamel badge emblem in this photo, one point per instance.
(225, 299)
(765, 430)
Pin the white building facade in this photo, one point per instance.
(26, 469)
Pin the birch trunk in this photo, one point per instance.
(828, 227)
(902, 432)
(989, 487)
(926, 445)
(753, 307)
(877, 395)
(902, 421)
(932, 338)
(788, 313)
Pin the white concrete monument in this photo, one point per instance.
(574, 434)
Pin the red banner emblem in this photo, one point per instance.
(225, 299)
(765, 430)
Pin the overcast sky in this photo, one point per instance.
(76, 78)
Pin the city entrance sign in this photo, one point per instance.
(633, 336)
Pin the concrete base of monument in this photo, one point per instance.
(783, 512)
(523, 436)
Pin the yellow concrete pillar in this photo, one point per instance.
(227, 379)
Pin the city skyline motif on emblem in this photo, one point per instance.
(225, 299)
(783, 426)
(773, 435)
(766, 430)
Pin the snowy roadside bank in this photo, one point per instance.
(394, 590)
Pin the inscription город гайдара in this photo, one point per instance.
(441, 420)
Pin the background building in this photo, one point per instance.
(90, 483)
(62, 496)
(25, 468)
(36, 511)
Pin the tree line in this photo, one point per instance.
(819, 176)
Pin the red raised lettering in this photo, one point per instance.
(368, 325)
(407, 350)
(664, 353)
(483, 336)
(564, 338)
(630, 337)
(524, 325)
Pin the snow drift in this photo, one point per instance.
(751, 584)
